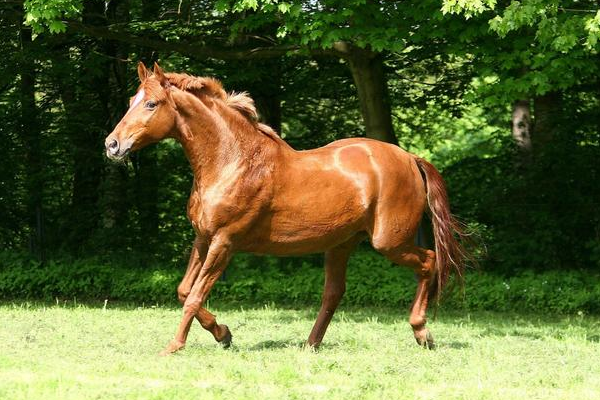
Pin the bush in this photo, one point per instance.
(372, 280)
(535, 215)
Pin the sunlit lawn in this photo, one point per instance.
(85, 352)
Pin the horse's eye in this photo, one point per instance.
(150, 105)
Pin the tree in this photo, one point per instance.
(345, 30)
(30, 133)
(548, 47)
(471, 94)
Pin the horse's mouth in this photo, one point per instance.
(120, 156)
(119, 152)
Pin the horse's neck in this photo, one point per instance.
(213, 148)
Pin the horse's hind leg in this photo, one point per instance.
(208, 321)
(336, 261)
(422, 261)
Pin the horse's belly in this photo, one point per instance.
(310, 229)
(300, 244)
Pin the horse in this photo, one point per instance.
(253, 192)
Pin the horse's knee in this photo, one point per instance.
(191, 307)
(182, 293)
(182, 297)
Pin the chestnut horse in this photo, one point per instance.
(252, 192)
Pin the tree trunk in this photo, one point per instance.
(114, 202)
(266, 90)
(31, 135)
(145, 162)
(264, 76)
(146, 194)
(547, 110)
(269, 109)
(371, 84)
(86, 104)
(521, 125)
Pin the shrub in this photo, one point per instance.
(372, 280)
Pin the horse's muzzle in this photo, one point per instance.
(114, 150)
(112, 147)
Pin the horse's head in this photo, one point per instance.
(150, 118)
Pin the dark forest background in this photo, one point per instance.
(504, 100)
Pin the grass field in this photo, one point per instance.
(85, 352)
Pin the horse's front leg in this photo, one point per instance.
(207, 320)
(217, 257)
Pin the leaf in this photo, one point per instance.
(592, 26)
(29, 18)
(284, 7)
(57, 27)
(222, 5)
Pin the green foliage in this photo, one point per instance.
(556, 26)
(467, 7)
(551, 291)
(436, 133)
(42, 14)
(561, 26)
(372, 280)
(321, 24)
(547, 45)
(542, 215)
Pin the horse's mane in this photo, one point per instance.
(207, 86)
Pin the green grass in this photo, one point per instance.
(85, 352)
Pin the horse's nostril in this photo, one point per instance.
(113, 146)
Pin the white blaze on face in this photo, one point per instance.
(137, 100)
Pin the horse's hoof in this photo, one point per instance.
(425, 339)
(227, 337)
(172, 347)
(312, 347)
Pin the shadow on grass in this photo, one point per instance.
(297, 344)
(532, 326)
(277, 344)
(525, 334)
(455, 345)
(594, 338)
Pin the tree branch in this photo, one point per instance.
(203, 51)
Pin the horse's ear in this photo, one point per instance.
(160, 75)
(143, 72)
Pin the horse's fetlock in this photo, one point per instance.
(417, 322)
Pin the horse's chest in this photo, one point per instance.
(194, 211)
(207, 215)
(220, 208)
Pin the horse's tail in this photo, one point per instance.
(450, 255)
